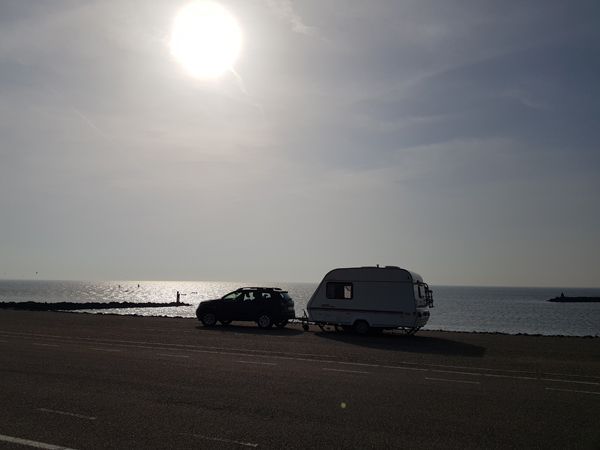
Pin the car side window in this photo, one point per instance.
(248, 296)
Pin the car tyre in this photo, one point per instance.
(264, 321)
(361, 327)
(208, 319)
(281, 323)
(225, 322)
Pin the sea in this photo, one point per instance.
(511, 310)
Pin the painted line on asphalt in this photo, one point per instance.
(105, 349)
(570, 375)
(452, 381)
(513, 377)
(172, 356)
(572, 390)
(30, 443)
(229, 441)
(65, 413)
(593, 383)
(236, 353)
(281, 355)
(345, 371)
(183, 346)
(456, 372)
(257, 362)
(45, 345)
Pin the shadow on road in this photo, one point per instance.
(412, 344)
(241, 329)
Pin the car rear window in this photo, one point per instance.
(286, 297)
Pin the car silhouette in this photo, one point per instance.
(263, 305)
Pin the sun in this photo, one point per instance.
(206, 39)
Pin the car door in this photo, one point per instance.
(248, 305)
(229, 306)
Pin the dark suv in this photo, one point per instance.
(265, 306)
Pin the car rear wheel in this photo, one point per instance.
(281, 323)
(264, 321)
(208, 319)
(361, 327)
(225, 322)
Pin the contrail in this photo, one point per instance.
(86, 119)
(242, 87)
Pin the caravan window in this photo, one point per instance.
(339, 290)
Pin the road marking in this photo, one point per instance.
(65, 413)
(229, 441)
(131, 344)
(513, 377)
(452, 381)
(29, 443)
(172, 356)
(571, 390)
(105, 349)
(471, 368)
(570, 375)
(455, 371)
(345, 371)
(45, 345)
(570, 381)
(294, 356)
(257, 362)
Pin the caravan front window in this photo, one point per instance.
(339, 290)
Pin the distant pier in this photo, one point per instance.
(71, 306)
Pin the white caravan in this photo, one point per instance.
(361, 298)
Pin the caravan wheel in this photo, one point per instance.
(361, 327)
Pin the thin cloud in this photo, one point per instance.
(285, 10)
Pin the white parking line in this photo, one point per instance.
(257, 362)
(65, 413)
(229, 441)
(570, 381)
(452, 381)
(455, 371)
(514, 377)
(172, 356)
(45, 345)
(29, 443)
(283, 355)
(571, 390)
(345, 371)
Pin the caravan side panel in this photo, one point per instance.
(384, 297)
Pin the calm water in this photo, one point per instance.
(457, 308)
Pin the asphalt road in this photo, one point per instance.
(88, 382)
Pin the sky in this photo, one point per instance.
(457, 139)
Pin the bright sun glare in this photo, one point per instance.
(206, 39)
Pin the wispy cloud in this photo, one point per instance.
(285, 10)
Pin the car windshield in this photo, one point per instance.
(232, 295)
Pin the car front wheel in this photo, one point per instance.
(208, 319)
(264, 321)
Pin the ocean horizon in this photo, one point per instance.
(492, 309)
